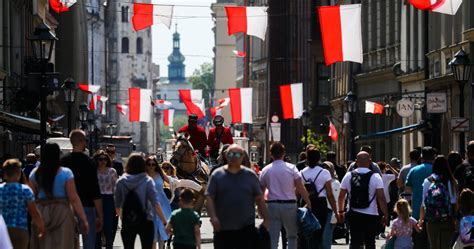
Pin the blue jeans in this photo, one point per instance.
(108, 230)
(328, 232)
(283, 214)
(88, 240)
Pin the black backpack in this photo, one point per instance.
(133, 213)
(359, 197)
(311, 186)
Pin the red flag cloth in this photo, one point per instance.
(449, 7)
(333, 132)
(292, 100)
(145, 15)
(140, 107)
(240, 54)
(168, 116)
(122, 109)
(373, 107)
(241, 105)
(193, 101)
(57, 6)
(212, 110)
(248, 20)
(89, 88)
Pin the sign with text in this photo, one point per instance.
(405, 108)
(436, 103)
(275, 132)
(459, 124)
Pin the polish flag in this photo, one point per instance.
(93, 102)
(248, 20)
(145, 15)
(373, 107)
(168, 116)
(162, 102)
(449, 7)
(61, 5)
(122, 109)
(218, 109)
(102, 100)
(89, 88)
(241, 105)
(341, 33)
(193, 101)
(292, 100)
(140, 106)
(240, 54)
(333, 132)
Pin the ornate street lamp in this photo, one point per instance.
(351, 102)
(388, 106)
(461, 67)
(351, 106)
(69, 88)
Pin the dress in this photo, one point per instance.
(403, 231)
(160, 234)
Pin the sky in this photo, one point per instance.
(197, 37)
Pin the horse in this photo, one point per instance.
(189, 166)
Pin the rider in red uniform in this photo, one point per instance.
(198, 135)
(218, 135)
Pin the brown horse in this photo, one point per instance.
(189, 166)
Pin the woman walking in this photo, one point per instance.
(55, 192)
(107, 177)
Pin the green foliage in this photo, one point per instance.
(203, 78)
(317, 140)
(165, 133)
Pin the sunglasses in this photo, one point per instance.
(234, 154)
(101, 159)
(151, 164)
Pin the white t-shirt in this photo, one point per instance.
(426, 187)
(309, 175)
(387, 179)
(374, 184)
(336, 188)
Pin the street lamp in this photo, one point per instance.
(83, 112)
(42, 43)
(461, 67)
(351, 106)
(387, 107)
(91, 129)
(306, 120)
(69, 88)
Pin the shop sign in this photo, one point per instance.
(436, 103)
(275, 132)
(405, 108)
(459, 124)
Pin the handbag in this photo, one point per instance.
(390, 243)
(307, 222)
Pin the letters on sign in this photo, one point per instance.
(405, 108)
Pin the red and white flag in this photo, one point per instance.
(341, 33)
(240, 54)
(168, 116)
(449, 7)
(140, 107)
(89, 88)
(122, 109)
(102, 100)
(248, 20)
(218, 109)
(292, 100)
(373, 107)
(241, 105)
(61, 5)
(333, 132)
(145, 15)
(162, 102)
(193, 101)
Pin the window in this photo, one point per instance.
(124, 45)
(124, 13)
(139, 45)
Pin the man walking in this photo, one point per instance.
(232, 193)
(116, 164)
(282, 179)
(365, 189)
(373, 166)
(464, 172)
(87, 184)
(402, 176)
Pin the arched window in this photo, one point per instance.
(124, 13)
(139, 45)
(124, 45)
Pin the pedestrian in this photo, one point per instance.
(174, 184)
(403, 225)
(464, 173)
(466, 211)
(16, 201)
(107, 177)
(387, 179)
(340, 169)
(414, 184)
(117, 164)
(31, 163)
(331, 221)
(320, 193)
(156, 173)
(185, 223)
(232, 193)
(302, 163)
(402, 176)
(221, 160)
(438, 204)
(136, 203)
(454, 160)
(55, 192)
(365, 190)
(373, 166)
(87, 183)
(283, 181)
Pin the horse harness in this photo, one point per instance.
(199, 171)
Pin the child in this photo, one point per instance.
(466, 210)
(402, 226)
(15, 200)
(184, 223)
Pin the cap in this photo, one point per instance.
(218, 120)
(192, 117)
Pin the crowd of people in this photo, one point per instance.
(48, 203)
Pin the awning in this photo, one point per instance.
(19, 123)
(382, 134)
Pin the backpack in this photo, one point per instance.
(437, 205)
(359, 197)
(466, 232)
(468, 181)
(311, 186)
(133, 213)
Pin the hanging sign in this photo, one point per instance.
(405, 108)
(436, 103)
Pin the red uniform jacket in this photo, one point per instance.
(198, 138)
(213, 141)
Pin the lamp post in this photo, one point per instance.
(91, 129)
(69, 88)
(306, 120)
(461, 67)
(42, 44)
(351, 107)
(83, 112)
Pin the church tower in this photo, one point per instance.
(176, 59)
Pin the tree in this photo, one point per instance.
(316, 140)
(203, 78)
